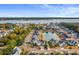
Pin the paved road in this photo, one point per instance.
(53, 50)
(16, 51)
(29, 36)
(27, 39)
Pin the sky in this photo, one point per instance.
(39, 10)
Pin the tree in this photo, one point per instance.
(50, 44)
(12, 42)
(19, 40)
(17, 30)
(1, 52)
(74, 53)
(45, 45)
(77, 29)
(8, 50)
(11, 36)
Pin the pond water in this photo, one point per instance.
(26, 21)
(50, 35)
(40, 21)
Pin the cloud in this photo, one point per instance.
(43, 10)
(46, 6)
(71, 10)
(67, 11)
(64, 10)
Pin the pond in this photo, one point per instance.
(26, 21)
(50, 35)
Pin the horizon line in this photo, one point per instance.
(8, 18)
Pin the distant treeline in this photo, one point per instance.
(36, 18)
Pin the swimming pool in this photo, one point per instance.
(50, 35)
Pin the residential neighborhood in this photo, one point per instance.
(32, 38)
